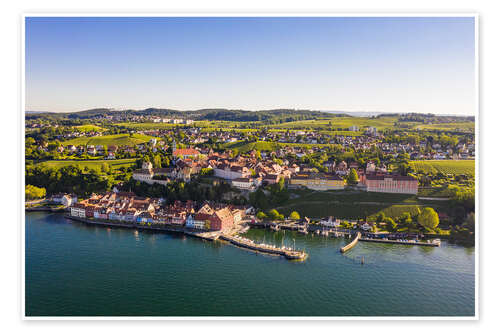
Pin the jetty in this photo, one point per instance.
(351, 244)
(434, 243)
(288, 253)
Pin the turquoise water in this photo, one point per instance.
(77, 270)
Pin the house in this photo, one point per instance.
(391, 184)
(78, 210)
(271, 178)
(331, 222)
(184, 153)
(63, 199)
(243, 183)
(366, 226)
(222, 219)
(198, 221)
(231, 172)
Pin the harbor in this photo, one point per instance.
(231, 236)
(287, 252)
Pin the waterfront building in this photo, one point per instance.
(78, 210)
(331, 222)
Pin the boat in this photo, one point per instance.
(275, 227)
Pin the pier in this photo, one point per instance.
(264, 248)
(351, 244)
(435, 243)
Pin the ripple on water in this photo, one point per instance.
(74, 269)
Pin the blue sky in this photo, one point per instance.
(354, 64)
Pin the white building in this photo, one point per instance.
(243, 183)
(78, 211)
(331, 222)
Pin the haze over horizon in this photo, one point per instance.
(389, 65)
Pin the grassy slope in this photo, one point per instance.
(106, 140)
(446, 167)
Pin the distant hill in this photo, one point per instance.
(203, 114)
(269, 116)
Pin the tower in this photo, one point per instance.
(174, 147)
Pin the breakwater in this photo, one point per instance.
(351, 244)
(434, 243)
(264, 248)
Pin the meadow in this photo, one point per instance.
(107, 140)
(89, 128)
(352, 204)
(459, 167)
(244, 146)
(340, 122)
(458, 126)
(91, 164)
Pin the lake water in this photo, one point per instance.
(73, 269)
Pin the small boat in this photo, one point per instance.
(275, 227)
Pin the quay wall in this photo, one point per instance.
(389, 241)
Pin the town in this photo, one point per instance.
(416, 161)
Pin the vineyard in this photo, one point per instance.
(462, 167)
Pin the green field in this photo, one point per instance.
(458, 126)
(89, 128)
(340, 122)
(348, 210)
(148, 126)
(244, 147)
(352, 204)
(106, 140)
(460, 167)
(91, 164)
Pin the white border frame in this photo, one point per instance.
(247, 14)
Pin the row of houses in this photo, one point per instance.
(128, 208)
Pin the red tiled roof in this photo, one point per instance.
(186, 151)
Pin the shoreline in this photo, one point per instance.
(210, 236)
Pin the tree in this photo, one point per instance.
(294, 216)
(33, 192)
(406, 221)
(352, 178)
(261, 215)
(157, 161)
(273, 214)
(105, 168)
(390, 224)
(380, 217)
(428, 219)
